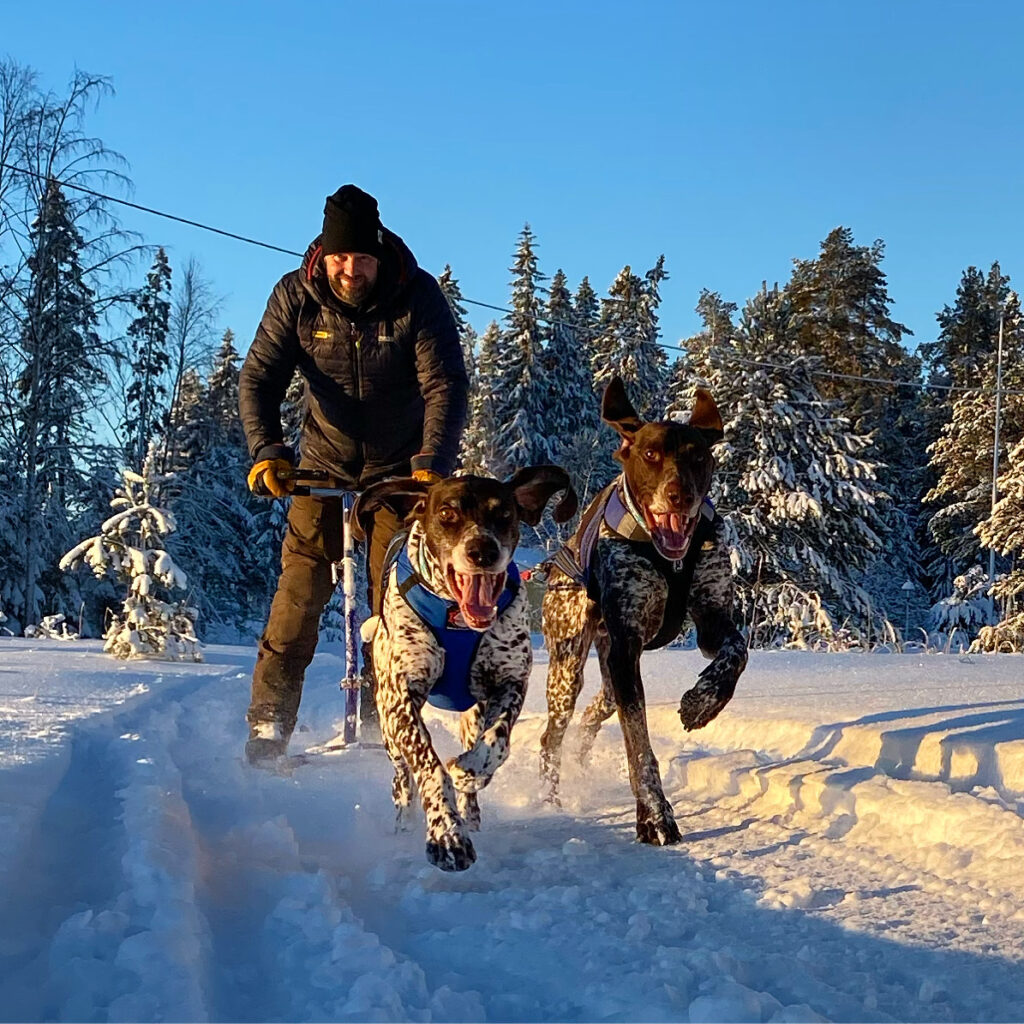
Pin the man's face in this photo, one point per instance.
(352, 275)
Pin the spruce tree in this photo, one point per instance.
(627, 346)
(226, 568)
(57, 251)
(570, 405)
(453, 293)
(1003, 532)
(130, 547)
(585, 314)
(717, 330)
(572, 410)
(62, 371)
(480, 452)
(965, 357)
(841, 303)
(521, 390)
(800, 499)
(149, 361)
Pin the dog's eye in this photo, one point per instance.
(650, 455)
(448, 515)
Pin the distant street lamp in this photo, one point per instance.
(908, 588)
(995, 444)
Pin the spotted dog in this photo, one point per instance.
(454, 630)
(648, 551)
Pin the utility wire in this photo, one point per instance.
(501, 309)
(148, 209)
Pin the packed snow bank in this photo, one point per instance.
(835, 863)
(958, 720)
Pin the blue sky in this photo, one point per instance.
(730, 136)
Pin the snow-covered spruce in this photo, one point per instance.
(1003, 531)
(802, 502)
(520, 388)
(129, 545)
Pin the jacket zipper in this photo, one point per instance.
(355, 337)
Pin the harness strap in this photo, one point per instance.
(679, 583)
(573, 557)
(615, 508)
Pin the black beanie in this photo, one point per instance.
(352, 223)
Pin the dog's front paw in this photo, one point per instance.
(469, 771)
(451, 851)
(656, 828)
(713, 690)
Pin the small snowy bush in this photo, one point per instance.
(129, 546)
(52, 627)
(961, 615)
(1005, 638)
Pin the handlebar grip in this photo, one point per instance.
(304, 474)
(310, 475)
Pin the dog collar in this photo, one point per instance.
(616, 509)
(633, 526)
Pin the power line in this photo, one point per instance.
(503, 309)
(149, 209)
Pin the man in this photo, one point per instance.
(385, 395)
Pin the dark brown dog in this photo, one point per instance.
(649, 551)
(452, 594)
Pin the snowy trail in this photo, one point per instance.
(160, 877)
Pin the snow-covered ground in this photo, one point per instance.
(853, 850)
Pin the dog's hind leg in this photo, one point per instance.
(601, 708)
(567, 657)
(570, 621)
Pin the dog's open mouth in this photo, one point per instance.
(671, 532)
(477, 594)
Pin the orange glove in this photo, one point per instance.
(426, 476)
(263, 478)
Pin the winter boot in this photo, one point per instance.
(267, 740)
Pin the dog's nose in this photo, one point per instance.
(482, 551)
(674, 496)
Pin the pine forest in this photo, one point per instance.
(856, 474)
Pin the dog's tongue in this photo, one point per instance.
(478, 595)
(668, 529)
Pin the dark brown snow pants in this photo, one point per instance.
(313, 541)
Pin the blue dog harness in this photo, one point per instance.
(441, 614)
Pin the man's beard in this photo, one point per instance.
(352, 293)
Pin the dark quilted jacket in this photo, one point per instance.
(385, 386)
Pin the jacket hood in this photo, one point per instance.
(397, 269)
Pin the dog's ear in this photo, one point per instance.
(533, 487)
(706, 418)
(618, 412)
(402, 495)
